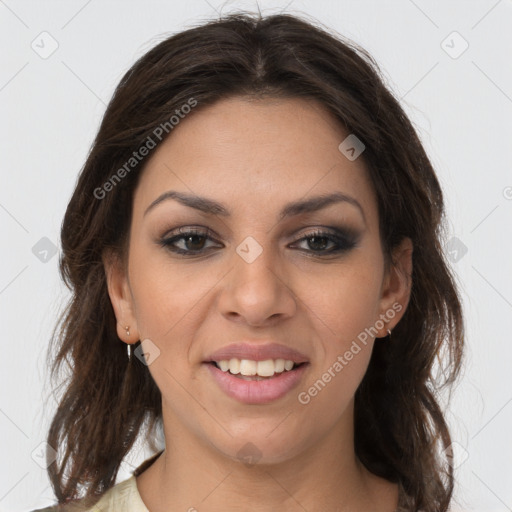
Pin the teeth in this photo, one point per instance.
(223, 365)
(279, 365)
(249, 368)
(233, 366)
(266, 368)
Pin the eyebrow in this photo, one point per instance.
(292, 209)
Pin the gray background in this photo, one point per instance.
(459, 99)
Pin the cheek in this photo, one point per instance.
(168, 308)
(344, 345)
(166, 295)
(342, 311)
(344, 302)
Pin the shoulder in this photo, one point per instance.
(123, 496)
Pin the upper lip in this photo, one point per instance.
(257, 352)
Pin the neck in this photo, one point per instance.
(192, 476)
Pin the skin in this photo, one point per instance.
(254, 157)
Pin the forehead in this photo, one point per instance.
(254, 152)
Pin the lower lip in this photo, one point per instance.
(257, 391)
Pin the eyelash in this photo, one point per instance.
(344, 240)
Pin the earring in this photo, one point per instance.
(127, 329)
(129, 352)
(389, 333)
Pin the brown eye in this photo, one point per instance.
(327, 242)
(188, 242)
(194, 242)
(318, 243)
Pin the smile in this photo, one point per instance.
(256, 382)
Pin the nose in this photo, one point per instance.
(256, 292)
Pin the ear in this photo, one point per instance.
(120, 297)
(396, 287)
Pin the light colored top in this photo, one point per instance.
(123, 496)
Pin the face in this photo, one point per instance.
(281, 258)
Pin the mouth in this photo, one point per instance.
(248, 370)
(256, 382)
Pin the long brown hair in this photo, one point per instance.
(108, 401)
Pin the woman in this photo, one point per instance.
(258, 223)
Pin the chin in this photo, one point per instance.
(262, 450)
